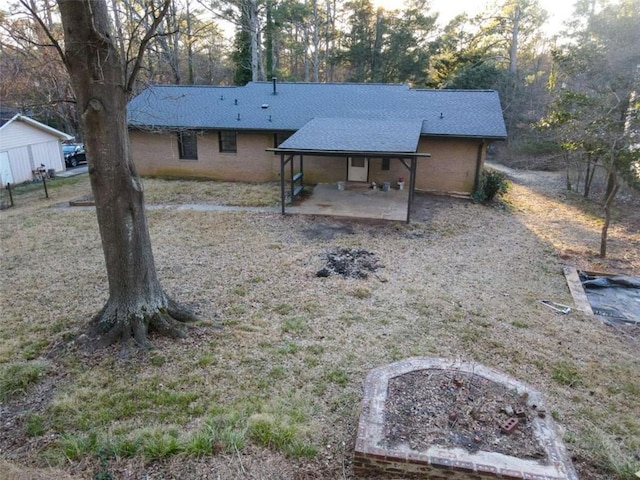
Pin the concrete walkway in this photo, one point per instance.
(356, 201)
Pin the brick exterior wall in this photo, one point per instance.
(156, 154)
(451, 168)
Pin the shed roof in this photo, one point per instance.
(460, 113)
(34, 123)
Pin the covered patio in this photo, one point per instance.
(355, 201)
(349, 138)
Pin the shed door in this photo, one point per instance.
(5, 169)
(358, 169)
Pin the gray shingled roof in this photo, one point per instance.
(356, 135)
(460, 113)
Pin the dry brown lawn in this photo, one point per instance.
(268, 384)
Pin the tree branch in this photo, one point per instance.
(54, 43)
(143, 45)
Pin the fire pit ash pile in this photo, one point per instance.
(350, 263)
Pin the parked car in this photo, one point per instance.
(74, 154)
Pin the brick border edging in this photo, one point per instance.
(451, 463)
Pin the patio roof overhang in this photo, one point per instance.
(349, 137)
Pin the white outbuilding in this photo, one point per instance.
(27, 145)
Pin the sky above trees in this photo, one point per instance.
(559, 11)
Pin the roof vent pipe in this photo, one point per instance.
(274, 80)
(238, 117)
(441, 115)
(235, 102)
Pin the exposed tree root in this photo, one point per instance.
(120, 323)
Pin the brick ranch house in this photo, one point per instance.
(344, 132)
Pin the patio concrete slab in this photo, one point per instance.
(357, 200)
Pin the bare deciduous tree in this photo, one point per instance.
(137, 303)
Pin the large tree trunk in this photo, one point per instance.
(137, 304)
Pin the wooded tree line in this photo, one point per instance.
(310, 40)
(223, 42)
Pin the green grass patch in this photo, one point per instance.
(91, 407)
(283, 308)
(288, 348)
(280, 425)
(159, 444)
(294, 325)
(16, 378)
(27, 188)
(272, 432)
(338, 376)
(566, 373)
(206, 359)
(34, 349)
(158, 360)
(35, 425)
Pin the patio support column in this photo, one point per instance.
(412, 186)
(291, 172)
(282, 199)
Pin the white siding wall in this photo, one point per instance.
(29, 147)
(18, 134)
(20, 162)
(49, 154)
(5, 169)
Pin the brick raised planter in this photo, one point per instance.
(373, 458)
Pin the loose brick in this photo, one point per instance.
(509, 425)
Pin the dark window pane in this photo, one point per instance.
(227, 141)
(385, 164)
(357, 162)
(188, 145)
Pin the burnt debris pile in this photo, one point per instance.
(350, 263)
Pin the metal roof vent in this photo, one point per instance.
(238, 117)
(264, 105)
(441, 115)
(275, 80)
(235, 102)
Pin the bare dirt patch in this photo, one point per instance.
(432, 407)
